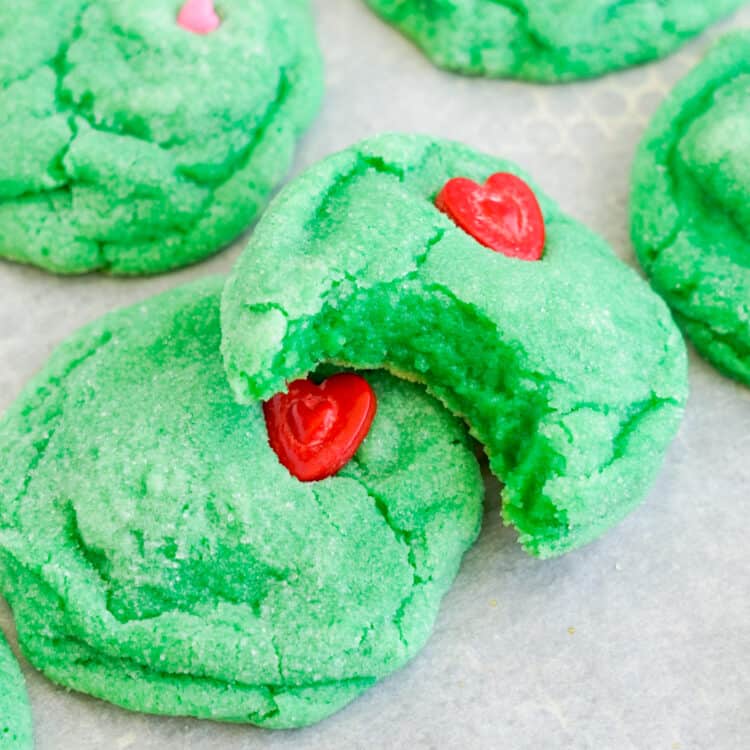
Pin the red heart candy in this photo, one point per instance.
(503, 214)
(199, 16)
(316, 429)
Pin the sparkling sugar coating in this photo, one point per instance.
(690, 205)
(132, 146)
(156, 554)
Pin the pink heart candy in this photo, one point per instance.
(199, 16)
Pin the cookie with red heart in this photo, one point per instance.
(452, 268)
(158, 554)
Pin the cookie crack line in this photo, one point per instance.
(66, 104)
(365, 163)
(42, 445)
(99, 657)
(681, 127)
(362, 164)
(273, 689)
(57, 65)
(521, 12)
(403, 537)
(723, 337)
(629, 423)
(95, 557)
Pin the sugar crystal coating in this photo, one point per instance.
(156, 554)
(691, 205)
(549, 40)
(15, 713)
(133, 146)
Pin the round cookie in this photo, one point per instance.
(690, 205)
(548, 40)
(133, 145)
(156, 553)
(15, 713)
(569, 370)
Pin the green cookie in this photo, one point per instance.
(569, 370)
(156, 554)
(134, 146)
(549, 40)
(15, 714)
(691, 205)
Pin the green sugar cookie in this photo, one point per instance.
(691, 205)
(133, 145)
(156, 553)
(549, 40)
(15, 714)
(569, 370)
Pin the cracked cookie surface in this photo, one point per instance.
(156, 554)
(690, 217)
(15, 713)
(134, 146)
(548, 40)
(568, 370)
